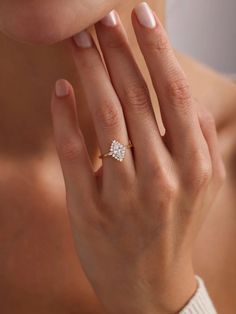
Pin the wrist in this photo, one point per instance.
(165, 292)
(175, 292)
(172, 286)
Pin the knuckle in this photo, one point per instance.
(137, 96)
(220, 174)
(155, 171)
(160, 44)
(115, 43)
(70, 149)
(205, 173)
(166, 197)
(201, 171)
(108, 114)
(207, 120)
(170, 189)
(178, 90)
(166, 183)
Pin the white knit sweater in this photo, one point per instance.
(200, 302)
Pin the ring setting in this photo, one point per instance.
(117, 150)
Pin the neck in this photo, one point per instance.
(28, 74)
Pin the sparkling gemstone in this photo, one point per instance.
(117, 150)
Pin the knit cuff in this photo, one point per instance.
(200, 302)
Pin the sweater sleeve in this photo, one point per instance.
(200, 302)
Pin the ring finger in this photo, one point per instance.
(103, 103)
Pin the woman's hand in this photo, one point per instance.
(134, 222)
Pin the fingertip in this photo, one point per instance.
(60, 94)
(145, 16)
(63, 99)
(62, 88)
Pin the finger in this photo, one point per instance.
(176, 105)
(102, 100)
(73, 155)
(131, 89)
(208, 127)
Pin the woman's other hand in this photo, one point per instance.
(134, 222)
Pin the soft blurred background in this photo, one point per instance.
(205, 30)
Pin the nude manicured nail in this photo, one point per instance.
(145, 15)
(61, 88)
(110, 19)
(83, 39)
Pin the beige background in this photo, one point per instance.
(206, 30)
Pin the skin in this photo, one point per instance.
(56, 278)
(186, 177)
(52, 21)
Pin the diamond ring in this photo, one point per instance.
(117, 150)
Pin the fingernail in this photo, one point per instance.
(61, 88)
(110, 19)
(83, 39)
(145, 15)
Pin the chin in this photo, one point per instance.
(45, 26)
(37, 35)
(49, 21)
